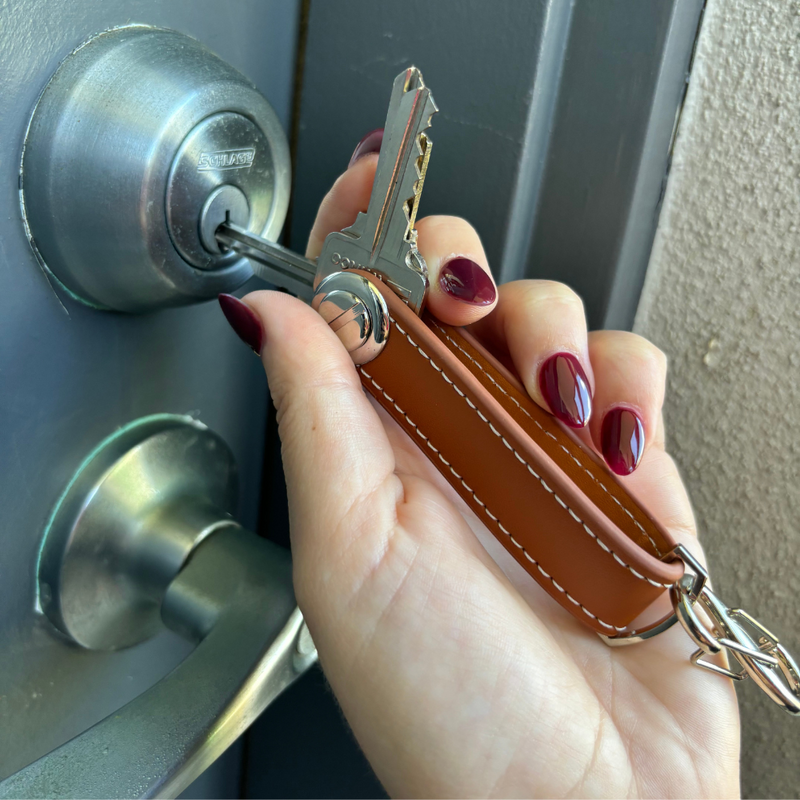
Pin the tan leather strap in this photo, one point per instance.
(547, 499)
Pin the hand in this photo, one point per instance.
(459, 676)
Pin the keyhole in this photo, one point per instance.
(226, 204)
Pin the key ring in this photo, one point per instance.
(715, 628)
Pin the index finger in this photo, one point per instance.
(462, 290)
(339, 208)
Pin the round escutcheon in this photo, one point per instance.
(126, 524)
(134, 133)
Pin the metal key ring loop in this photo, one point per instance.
(716, 628)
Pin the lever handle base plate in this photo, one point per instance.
(126, 524)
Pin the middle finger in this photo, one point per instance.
(542, 327)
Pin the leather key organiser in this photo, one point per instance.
(546, 498)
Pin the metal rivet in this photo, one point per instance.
(356, 311)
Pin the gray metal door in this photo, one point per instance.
(71, 375)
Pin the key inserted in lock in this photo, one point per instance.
(223, 170)
(225, 205)
(381, 242)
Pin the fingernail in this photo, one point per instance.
(371, 143)
(622, 440)
(465, 280)
(563, 384)
(244, 321)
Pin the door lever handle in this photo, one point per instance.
(231, 592)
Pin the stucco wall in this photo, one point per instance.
(722, 298)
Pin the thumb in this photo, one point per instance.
(334, 446)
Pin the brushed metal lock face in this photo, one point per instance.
(140, 145)
(226, 158)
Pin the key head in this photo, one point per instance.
(402, 269)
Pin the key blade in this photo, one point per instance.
(271, 262)
(382, 241)
(424, 145)
(403, 161)
(398, 183)
(415, 83)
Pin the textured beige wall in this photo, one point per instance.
(722, 298)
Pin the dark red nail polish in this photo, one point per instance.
(371, 143)
(563, 384)
(465, 280)
(622, 440)
(244, 321)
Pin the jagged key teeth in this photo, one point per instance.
(411, 205)
(410, 110)
(382, 240)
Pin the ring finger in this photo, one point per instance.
(541, 325)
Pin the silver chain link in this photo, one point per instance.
(716, 628)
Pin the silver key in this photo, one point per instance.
(349, 303)
(384, 241)
(273, 263)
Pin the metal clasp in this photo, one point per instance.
(714, 628)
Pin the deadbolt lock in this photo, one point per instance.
(142, 141)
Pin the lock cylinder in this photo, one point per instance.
(139, 147)
(215, 176)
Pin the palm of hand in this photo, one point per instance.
(459, 679)
(495, 684)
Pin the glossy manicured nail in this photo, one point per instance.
(465, 280)
(244, 321)
(563, 384)
(371, 143)
(622, 440)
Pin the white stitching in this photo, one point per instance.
(520, 458)
(483, 505)
(548, 433)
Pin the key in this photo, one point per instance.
(384, 241)
(273, 263)
(349, 303)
